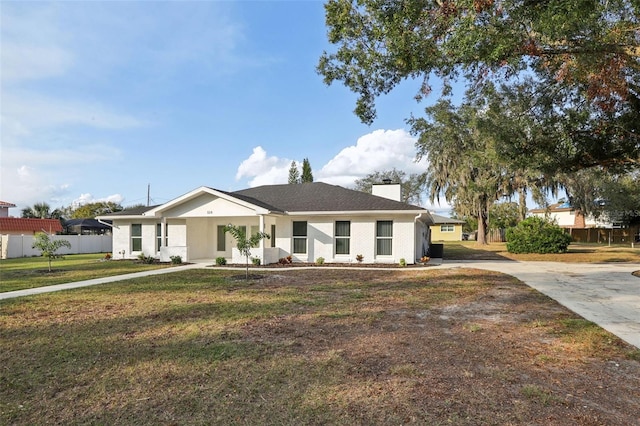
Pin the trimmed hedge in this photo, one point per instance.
(536, 235)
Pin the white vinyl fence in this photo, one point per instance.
(12, 246)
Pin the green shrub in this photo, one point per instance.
(403, 262)
(320, 260)
(176, 260)
(221, 261)
(536, 235)
(256, 261)
(143, 258)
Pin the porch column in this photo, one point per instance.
(261, 225)
(163, 229)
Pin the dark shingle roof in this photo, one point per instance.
(317, 196)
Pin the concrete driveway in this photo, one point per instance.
(604, 293)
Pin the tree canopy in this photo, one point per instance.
(41, 211)
(413, 185)
(91, 210)
(583, 57)
(463, 164)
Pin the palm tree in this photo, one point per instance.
(38, 211)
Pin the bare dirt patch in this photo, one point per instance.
(497, 356)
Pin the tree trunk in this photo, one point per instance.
(483, 223)
(522, 206)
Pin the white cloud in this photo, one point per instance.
(264, 170)
(376, 151)
(25, 185)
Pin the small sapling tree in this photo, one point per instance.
(48, 247)
(243, 243)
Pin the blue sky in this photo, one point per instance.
(101, 99)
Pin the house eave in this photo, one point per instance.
(358, 213)
(125, 217)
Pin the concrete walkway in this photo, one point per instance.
(604, 293)
(95, 281)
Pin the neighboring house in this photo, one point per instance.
(86, 227)
(446, 229)
(23, 226)
(4, 208)
(305, 221)
(567, 217)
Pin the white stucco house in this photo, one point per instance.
(305, 221)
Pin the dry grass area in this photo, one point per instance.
(311, 347)
(579, 253)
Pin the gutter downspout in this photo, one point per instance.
(415, 220)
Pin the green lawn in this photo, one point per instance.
(581, 253)
(30, 272)
(310, 347)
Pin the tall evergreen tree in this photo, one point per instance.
(307, 176)
(294, 173)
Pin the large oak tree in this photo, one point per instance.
(583, 57)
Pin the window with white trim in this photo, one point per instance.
(447, 228)
(300, 237)
(158, 236)
(384, 237)
(273, 235)
(221, 243)
(136, 237)
(343, 237)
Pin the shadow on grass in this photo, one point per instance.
(457, 251)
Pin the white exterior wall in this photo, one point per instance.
(320, 239)
(122, 238)
(404, 239)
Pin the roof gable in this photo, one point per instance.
(205, 201)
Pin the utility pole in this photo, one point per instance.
(148, 194)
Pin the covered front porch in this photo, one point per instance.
(204, 239)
